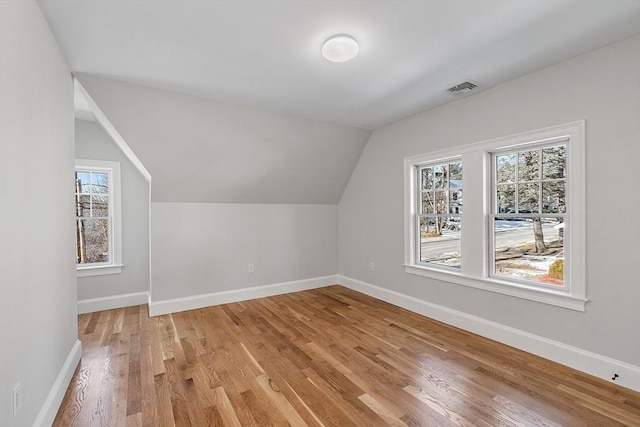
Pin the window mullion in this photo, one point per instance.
(540, 181)
(516, 184)
(473, 217)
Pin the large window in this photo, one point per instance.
(528, 214)
(97, 196)
(523, 215)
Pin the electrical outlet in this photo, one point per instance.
(17, 398)
(251, 270)
(372, 266)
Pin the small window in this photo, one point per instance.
(97, 207)
(440, 218)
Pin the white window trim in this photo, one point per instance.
(114, 266)
(475, 217)
(418, 201)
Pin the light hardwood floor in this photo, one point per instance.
(329, 356)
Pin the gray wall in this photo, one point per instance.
(93, 143)
(200, 150)
(602, 87)
(232, 186)
(38, 324)
(200, 248)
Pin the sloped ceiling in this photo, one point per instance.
(199, 150)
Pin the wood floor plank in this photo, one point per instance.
(134, 393)
(134, 420)
(383, 411)
(163, 401)
(337, 393)
(179, 403)
(279, 401)
(227, 413)
(149, 404)
(323, 357)
(93, 410)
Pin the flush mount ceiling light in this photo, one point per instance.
(340, 48)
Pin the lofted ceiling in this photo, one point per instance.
(266, 54)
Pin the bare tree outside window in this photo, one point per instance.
(529, 214)
(92, 217)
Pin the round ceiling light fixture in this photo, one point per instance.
(340, 48)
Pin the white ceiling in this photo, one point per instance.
(266, 54)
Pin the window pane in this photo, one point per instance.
(455, 175)
(440, 241)
(99, 205)
(83, 183)
(506, 198)
(427, 226)
(554, 162)
(455, 201)
(92, 240)
(528, 198)
(427, 202)
(553, 197)
(506, 168)
(518, 254)
(440, 176)
(427, 178)
(441, 202)
(529, 165)
(83, 205)
(100, 182)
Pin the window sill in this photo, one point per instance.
(99, 270)
(546, 296)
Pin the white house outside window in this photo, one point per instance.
(523, 216)
(98, 222)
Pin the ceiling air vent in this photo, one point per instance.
(462, 88)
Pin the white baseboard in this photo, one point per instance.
(157, 308)
(49, 409)
(108, 303)
(591, 363)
